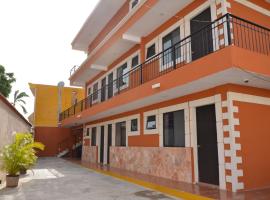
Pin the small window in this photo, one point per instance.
(89, 91)
(135, 61)
(151, 51)
(87, 132)
(134, 125)
(133, 3)
(122, 76)
(95, 91)
(151, 122)
(93, 136)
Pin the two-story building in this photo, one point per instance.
(50, 100)
(177, 89)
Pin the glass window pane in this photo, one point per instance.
(174, 129)
(151, 51)
(134, 125)
(151, 122)
(122, 80)
(95, 91)
(168, 41)
(135, 61)
(93, 136)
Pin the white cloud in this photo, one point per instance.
(35, 39)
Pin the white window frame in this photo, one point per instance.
(194, 13)
(173, 108)
(98, 95)
(179, 24)
(128, 62)
(153, 41)
(89, 87)
(137, 53)
(128, 125)
(150, 131)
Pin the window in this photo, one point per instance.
(151, 122)
(151, 51)
(87, 132)
(110, 85)
(89, 91)
(93, 136)
(135, 61)
(95, 91)
(168, 41)
(134, 125)
(122, 77)
(120, 135)
(103, 89)
(133, 3)
(174, 129)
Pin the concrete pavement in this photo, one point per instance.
(58, 179)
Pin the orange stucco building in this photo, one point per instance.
(177, 89)
(51, 100)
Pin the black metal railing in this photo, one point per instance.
(225, 31)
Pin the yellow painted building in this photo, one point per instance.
(48, 104)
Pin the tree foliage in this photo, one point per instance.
(18, 98)
(6, 79)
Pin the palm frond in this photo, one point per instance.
(20, 100)
(21, 95)
(24, 109)
(15, 97)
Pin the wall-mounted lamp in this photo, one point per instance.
(155, 86)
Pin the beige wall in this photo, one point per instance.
(9, 122)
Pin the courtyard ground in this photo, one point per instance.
(58, 179)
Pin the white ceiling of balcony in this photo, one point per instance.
(157, 15)
(101, 15)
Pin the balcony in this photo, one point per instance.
(235, 32)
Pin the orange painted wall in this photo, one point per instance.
(144, 140)
(51, 137)
(153, 140)
(254, 139)
(250, 14)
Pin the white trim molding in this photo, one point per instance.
(233, 134)
(254, 7)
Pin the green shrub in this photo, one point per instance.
(20, 154)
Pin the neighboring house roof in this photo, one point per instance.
(5, 101)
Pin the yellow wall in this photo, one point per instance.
(46, 103)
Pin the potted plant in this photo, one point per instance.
(12, 160)
(18, 155)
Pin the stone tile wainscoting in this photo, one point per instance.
(89, 154)
(166, 162)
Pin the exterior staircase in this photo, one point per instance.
(69, 146)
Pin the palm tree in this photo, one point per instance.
(18, 98)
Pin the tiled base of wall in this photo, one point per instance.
(171, 163)
(89, 154)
